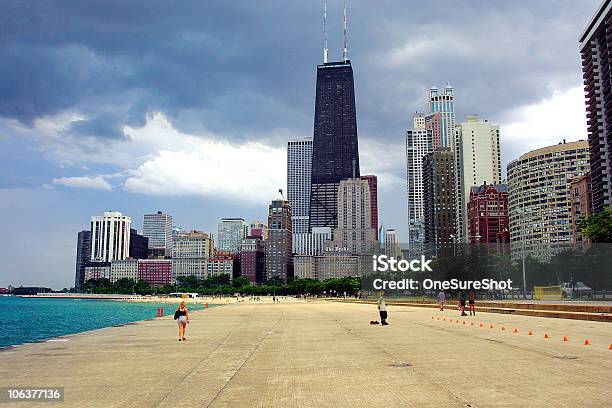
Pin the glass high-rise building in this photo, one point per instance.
(279, 261)
(83, 256)
(596, 51)
(230, 231)
(335, 154)
(299, 166)
(158, 228)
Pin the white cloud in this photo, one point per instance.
(248, 172)
(93, 182)
(562, 116)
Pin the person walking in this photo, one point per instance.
(472, 303)
(441, 299)
(182, 316)
(462, 303)
(382, 310)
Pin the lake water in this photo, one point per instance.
(26, 320)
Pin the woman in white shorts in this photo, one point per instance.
(182, 317)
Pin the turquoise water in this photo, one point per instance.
(28, 320)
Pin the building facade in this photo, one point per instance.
(124, 269)
(97, 270)
(221, 265)
(230, 231)
(252, 259)
(439, 197)
(373, 184)
(305, 267)
(582, 206)
(354, 232)
(259, 229)
(478, 142)
(487, 214)
(139, 245)
(335, 153)
(419, 142)
(311, 243)
(110, 237)
(83, 256)
(279, 246)
(158, 228)
(157, 272)
(299, 173)
(190, 253)
(391, 244)
(539, 197)
(596, 51)
(337, 263)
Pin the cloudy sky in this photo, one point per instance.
(187, 106)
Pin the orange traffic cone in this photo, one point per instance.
(456, 321)
(490, 326)
(610, 346)
(515, 331)
(565, 338)
(503, 328)
(481, 325)
(587, 342)
(546, 336)
(530, 333)
(432, 317)
(445, 319)
(472, 323)
(438, 318)
(463, 322)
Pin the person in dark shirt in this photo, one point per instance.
(462, 303)
(182, 316)
(472, 303)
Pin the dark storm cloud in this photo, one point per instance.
(242, 69)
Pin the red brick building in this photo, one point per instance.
(487, 214)
(580, 193)
(157, 272)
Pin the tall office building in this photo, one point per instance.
(190, 254)
(110, 237)
(441, 117)
(230, 231)
(278, 249)
(441, 121)
(391, 245)
(419, 142)
(373, 183)
(299, 166)
(335, 154)
(596, 51)
(439, 197)
(139, 245)
(355, 232)
(480, 162)
(539, 197)
(83, 256)
(158, 228)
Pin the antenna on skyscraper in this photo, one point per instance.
(345, 53)
(325, 50)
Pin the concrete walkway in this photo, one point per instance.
(324, 354)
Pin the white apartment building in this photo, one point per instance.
(540, 200)
(110, 237)
(479, 162)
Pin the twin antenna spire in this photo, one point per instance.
(325, 49)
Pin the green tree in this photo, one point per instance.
(241, 282)
(598, 226)
(124, 286)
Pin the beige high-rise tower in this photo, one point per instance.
(479, 161)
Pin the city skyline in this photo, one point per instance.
(78, 159)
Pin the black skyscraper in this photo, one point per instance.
(83, 256)
(139, 245)
(335, 154)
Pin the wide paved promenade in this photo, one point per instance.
(325, 354)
